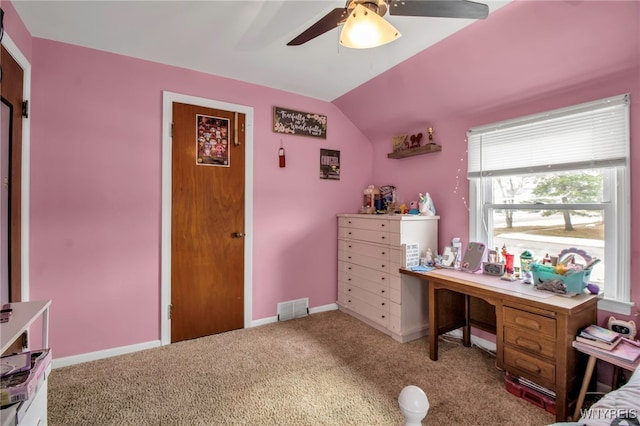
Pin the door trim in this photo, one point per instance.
(19, 57)
(168, 98)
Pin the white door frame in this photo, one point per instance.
(19, 57)
(168, 98)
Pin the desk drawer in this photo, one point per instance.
(524, 320)
(533, 368)
(530, 342)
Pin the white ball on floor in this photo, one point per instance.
(414, 405)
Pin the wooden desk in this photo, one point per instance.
(534, 330)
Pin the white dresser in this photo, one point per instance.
(370, 252)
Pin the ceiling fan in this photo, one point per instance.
(361, 9)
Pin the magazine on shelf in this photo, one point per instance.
(599, 333)
(625, 351)
(598, 343)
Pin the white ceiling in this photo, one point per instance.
(244, 40)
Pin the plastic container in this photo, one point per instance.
(574, 281)
(529, 394)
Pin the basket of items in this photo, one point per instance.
(564, 275)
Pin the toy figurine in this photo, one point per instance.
(413, 207)
(426, 205)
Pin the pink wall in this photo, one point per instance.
(96, 156)
(527, 57)
(96, 194)
(16, 29)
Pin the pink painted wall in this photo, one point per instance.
(96, 194)
(16, 29)
(527, 57)
(96, 159)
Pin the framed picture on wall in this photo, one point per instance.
(329, 164)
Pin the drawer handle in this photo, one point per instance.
(349, 279)
(527, 366)
(382, 291)
(382, 266)
(382, 237)
(348, 257)
(382, 278)
(349, 232)
(382, 316)
(349, 300)
(349, 222)
(349, 267)
(529, 344)
(525, 322)
(382, 225)
(349, 245)
(382, 303)
(383, 253)
(348, 289)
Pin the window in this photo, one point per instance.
(557, 180)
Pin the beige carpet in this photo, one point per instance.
(324, 369)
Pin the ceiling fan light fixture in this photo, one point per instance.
(365, 29)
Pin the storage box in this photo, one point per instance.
(529, 394)
(575, 281)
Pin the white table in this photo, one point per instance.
(24, 314)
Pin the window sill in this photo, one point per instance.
(615, 306)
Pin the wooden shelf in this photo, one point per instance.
(410, 152)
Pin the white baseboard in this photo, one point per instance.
(107, 353)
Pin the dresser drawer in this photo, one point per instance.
(524, 320)
(363, 272)
(367, 311)
(366, 261)
(376, 301)
(348, 247)
(367, 222)
(530, 342)
(379, 289)
(380, 237)
(535, 369)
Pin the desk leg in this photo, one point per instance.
(466, 330)
(585, 384)
(433, 323)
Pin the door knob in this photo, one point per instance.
(238, 235)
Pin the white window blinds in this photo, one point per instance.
(589, 135)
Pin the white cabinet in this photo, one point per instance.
(369, 284)
(33, 411)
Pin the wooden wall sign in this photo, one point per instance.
(299, 123)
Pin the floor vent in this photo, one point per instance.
(293, 309)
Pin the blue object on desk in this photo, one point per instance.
(422, 268)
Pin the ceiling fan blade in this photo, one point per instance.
(439, 8)
(330, 21)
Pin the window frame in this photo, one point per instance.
(617, 212)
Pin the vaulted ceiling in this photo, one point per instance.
(243, 40)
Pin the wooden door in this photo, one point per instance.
(11, 86)
(207, 221)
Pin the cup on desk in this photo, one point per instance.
(508, 263)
